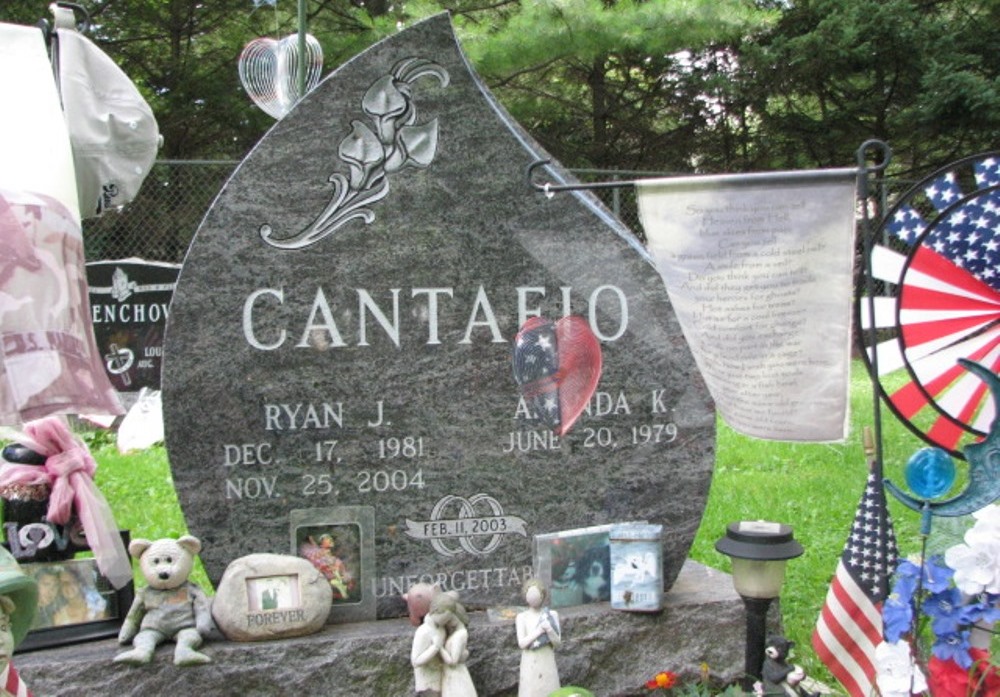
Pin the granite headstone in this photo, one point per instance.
(342, 339)
(129, 300)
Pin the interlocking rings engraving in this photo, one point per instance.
(476, 525)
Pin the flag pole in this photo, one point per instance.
(549, 189)
(849, 628)
(864, 171)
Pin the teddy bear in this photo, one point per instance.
(170, 607)
(779, 676)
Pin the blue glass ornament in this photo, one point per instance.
(930, 472)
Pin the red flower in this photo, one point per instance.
(948, 679)
(666, 680)
(986, 676)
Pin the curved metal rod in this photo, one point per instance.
(879, 146)
(548, 188)
(529, 173)
(867, 238)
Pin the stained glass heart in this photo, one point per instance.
(557, 366)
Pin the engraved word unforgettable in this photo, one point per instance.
(461, 580)
(320, 329)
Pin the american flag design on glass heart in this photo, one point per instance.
(938, 254)
(557, 366)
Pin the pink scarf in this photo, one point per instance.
(69, 473)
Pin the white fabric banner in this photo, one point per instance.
(759, 271)
(34, 139)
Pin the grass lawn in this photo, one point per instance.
(815, 488)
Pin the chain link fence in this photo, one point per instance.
(160, 223)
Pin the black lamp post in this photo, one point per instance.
(759, 551)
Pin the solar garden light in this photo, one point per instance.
(759, 551)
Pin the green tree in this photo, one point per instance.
(598, 82)
(710, 85)
(24, 12)
(182, 54)
(922, 76)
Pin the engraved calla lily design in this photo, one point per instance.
(392, 142)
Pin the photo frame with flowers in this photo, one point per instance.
(75, 602)
(340, 542)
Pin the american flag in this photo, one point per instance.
(947, 303)
(536, 369)
(12, 683)
(850, 624)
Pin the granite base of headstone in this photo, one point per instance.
(611, 653)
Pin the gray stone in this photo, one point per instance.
(611, 653)
(316, 360)
(271, 596)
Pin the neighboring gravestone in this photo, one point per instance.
(340, 347)
(129, 299)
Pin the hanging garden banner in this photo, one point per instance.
(759, 271)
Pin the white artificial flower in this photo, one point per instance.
(988, 517)
(977, 562)
(986, 528)
(898, 674)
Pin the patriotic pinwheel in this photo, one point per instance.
(935, 265)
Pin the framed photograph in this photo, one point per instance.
(340, 543)
(575, 565)
(273, 593)
(75, 603)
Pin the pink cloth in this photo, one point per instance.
(49, 359)
(69, 471)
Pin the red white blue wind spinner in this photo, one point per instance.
(936, 263)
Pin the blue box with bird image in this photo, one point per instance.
(637, 567)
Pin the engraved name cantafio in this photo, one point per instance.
(319, 328)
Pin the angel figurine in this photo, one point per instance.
(538, 635)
